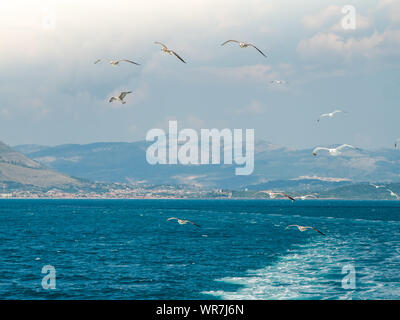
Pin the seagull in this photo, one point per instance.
(304, 228)
(117, 62)
(278, 81)
(245, 45)
(393, 194)
(181, 221)
(308, 196)
(166, 50)
(330, 115)
(120, 97)
(273, 194)
(377, 187)
(333, 151)
(397, 143)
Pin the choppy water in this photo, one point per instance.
(125, 249)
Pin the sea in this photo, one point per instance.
(127, 249)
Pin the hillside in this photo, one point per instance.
(16, 170)
(274, 165)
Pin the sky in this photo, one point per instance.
(51, 92)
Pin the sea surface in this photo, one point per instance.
(126, 249)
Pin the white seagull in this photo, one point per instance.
(117, 62)
(166, 50)
(278, 81)
(333, 151)
(330, 115)
(304, 228)
(393, 194)
(181, 221)
(245, 45)
(376, 186)
(397, 143)
(273, 194)
(120, 97)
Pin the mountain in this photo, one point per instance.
(274, 166)
(17, 170)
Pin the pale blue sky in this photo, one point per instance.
(52, 93)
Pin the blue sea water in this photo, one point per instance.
(125, 249)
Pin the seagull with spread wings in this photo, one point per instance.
(393, 194)
(304, 228)
(169, 51)
(376, 186)
(182, 221)
(334, 151)
(273, 194)
(117, 62)
(330, 114)
(244, 45)
(120, 97)
(278, 81)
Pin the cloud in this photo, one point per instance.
(321, 18)
(331, 44)
(253, 108)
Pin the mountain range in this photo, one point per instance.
(274, 166)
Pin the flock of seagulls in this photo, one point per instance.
(395, 195)
(301, 228)
(166, 50)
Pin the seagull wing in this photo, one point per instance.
(318, 231)
(289, 197)
(176, 55)
(112, 99)
(130, 61)
(123, 94)
(163, 45)
(346, 146)
(257, 49)
(97, 61)
(193, 223)
(172, 218)
(229, 41)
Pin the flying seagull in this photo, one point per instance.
(397, 143)
(166, 50)
(304, 228)
(273, 194)
(377, 187)
(333, 151)
(120, 97)
(245, 45)
(307, 196)
(117, 62)
(393, 194)
(278, 81)
(181, 221)
(330, 115)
